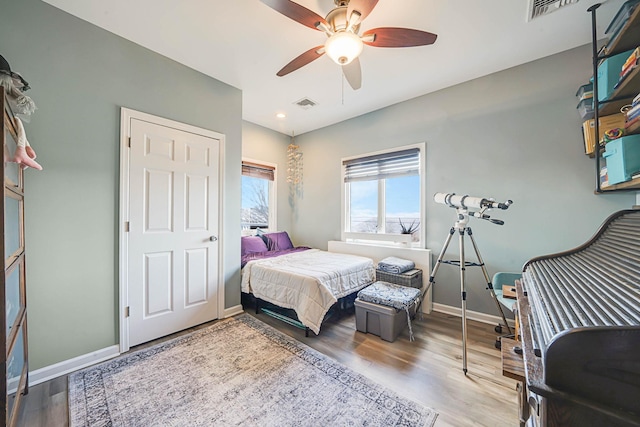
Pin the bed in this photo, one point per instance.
(307, 281)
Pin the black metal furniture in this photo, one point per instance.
(579, 313)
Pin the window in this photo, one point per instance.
(258, 196)
(383, 196)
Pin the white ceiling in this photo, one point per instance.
(244, 43)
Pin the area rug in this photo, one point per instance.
(236, 372)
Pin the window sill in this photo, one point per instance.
(380, 245)
(403, 240)
(253, 231)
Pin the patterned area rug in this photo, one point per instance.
(237, 372)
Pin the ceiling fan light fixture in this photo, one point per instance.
(343, 47)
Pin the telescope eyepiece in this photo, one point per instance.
(504, 206)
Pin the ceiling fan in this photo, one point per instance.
(344, 44)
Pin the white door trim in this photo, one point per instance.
(126, 115)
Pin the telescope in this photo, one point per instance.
(454, 201)
(462, 205)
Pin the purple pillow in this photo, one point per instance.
(278, 241)
(251, 244)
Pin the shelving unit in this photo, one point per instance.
(13, 361)
(628, 39)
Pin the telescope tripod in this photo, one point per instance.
(462, 228)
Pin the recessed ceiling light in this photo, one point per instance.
(281, 115)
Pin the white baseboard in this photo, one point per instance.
(472, 315)
(67, 366)
(232, 311)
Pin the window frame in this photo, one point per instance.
(272, 193)
(384, 238)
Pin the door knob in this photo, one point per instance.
(213, 238)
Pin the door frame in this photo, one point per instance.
(126, 115)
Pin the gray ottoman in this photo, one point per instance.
(382, 307)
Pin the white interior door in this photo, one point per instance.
(173, 257)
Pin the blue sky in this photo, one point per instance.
(402, 197)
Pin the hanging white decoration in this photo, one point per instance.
(294, 165)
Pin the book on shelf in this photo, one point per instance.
(635, 107)
(630, 122)
(632, 126)
(632, 113)
(632, 118)
(627, 69)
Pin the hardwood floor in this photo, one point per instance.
(427, 370)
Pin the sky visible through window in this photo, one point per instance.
(255, 202)
(402, 204)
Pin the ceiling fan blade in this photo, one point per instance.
(353, 73)
(296, 12)
(302, 60)
(363, 7)
(397, 37)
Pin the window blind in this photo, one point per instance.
(255, 170)
(381, 166)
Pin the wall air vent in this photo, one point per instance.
(305, 103)
(538, 8)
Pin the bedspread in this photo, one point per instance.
(308, 282)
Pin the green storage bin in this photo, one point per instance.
(623, 158)
(609, 74)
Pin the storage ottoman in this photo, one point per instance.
(381, 309)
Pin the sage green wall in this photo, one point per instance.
(81, 75)
(511, 135)
(260, 143)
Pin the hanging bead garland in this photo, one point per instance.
(294, 165)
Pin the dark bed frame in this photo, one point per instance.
(289, 316)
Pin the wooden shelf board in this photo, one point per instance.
(628, 185)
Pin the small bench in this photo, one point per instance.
(379, 309)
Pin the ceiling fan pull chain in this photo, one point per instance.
(342, 77)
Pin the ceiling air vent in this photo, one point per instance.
(305, 103)
(538, 8)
